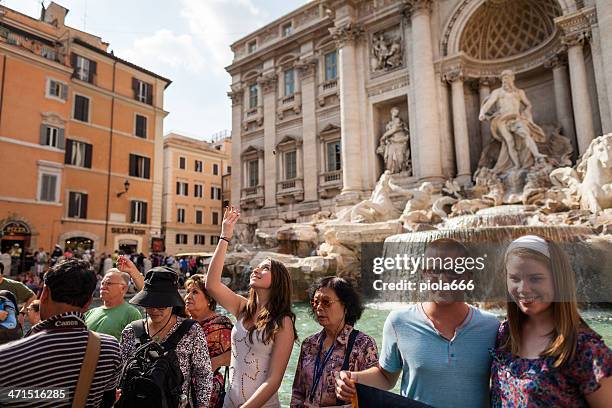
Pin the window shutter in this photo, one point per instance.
(147, 167)
(186, 189)
(149, 88)
(71, 204)
(88, 154)
(85, 110)
(135, 87)
(132, 165)
(178, 188)
(73, 63)
(144, 212)
(93, 69)
(64, 91)
(83, 205)
(132, 211)
(60, 139)
(68, 154)
(43, 135)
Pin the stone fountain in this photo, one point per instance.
(529, 187)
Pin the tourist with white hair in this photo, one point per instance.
(112, 317)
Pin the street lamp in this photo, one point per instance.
(126, 185)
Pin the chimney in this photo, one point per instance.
(54, 14)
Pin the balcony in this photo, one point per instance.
(290, 191)
(252, 197)
(253, 115)
(330, 183)
(31, 43)
(291, 102)
(326, 89)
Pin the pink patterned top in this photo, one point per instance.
(364, 355)
(521, 382)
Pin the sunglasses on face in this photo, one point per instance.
(108, 283)
(324, 302)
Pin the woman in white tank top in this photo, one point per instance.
(263, 336)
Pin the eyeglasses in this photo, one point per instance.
(107, 283)
(325, 302)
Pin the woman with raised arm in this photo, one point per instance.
(263, 336)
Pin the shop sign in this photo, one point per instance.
(128, 230)
(15, 228)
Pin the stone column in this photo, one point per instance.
(563, 98)
(268, 85)
(460, 128)
(307, 71)
(424, 82)
(581, 100)
(346, 37)
(298, 159)
(239, 180)
(604, 22)
(260, 169)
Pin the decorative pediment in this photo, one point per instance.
(252, 151)
(330, 129)
(52, 118)
(288, 141)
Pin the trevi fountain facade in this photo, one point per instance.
(401, 121)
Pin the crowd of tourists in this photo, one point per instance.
(169, 346)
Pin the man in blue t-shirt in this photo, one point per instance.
(440, 347)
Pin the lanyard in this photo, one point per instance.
(318, 368)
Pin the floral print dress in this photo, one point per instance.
(193, 358)
(218, 332)
(364, 355)
(526, 383)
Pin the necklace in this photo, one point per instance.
(156, 337)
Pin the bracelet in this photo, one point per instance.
(224, 239)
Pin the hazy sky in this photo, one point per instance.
(184, 40)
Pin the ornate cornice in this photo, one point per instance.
(236, 95)
(268, 82)
(455, 74)
(556, 61)
(306, 67)
(576, 28)
(347, 32)
(416, 7)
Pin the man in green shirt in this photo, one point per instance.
(22, 293)
(116, 313)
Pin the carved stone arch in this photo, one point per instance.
(251, 75)
(325, 44)
(287, 59)
(459, 18)
(288, 140)
(251, 150)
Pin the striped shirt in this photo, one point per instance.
(50, 356)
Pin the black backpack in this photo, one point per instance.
(152, 378)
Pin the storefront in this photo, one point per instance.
(129, 240)
(15, 241)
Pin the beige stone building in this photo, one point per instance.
(312, 92)
(193, 191)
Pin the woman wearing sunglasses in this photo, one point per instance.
(336, 306)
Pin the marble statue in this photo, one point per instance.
(512, 124)
(379, 207)
(394, 144)
(418, 207)
(595, 171)
(387, 53)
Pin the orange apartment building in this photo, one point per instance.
(81, 140)
(193, 198)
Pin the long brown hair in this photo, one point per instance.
(564, 307)
(270, 319)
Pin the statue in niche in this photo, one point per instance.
(387, 53)
(394, 144)
(512, 124)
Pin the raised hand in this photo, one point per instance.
(125, 265)
(230, 217)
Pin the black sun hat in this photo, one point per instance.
(160, 289)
